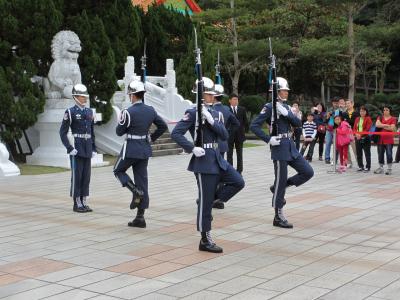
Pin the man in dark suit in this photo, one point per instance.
(237, 138)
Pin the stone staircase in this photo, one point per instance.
(164, 145)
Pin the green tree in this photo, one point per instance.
(96, 60)
(24, 53)
(236, 28)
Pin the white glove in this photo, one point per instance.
(73, 152)
(198, 151)
(207, 115)
(94, 153)
(281, 109)
(275, 141)
(149, 138)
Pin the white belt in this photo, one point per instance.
(82, 136)
(284, 135)
(136, 137)
(210, 146)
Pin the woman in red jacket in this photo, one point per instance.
(363, 141)
(387, 123)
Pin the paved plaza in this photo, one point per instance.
(345, 243)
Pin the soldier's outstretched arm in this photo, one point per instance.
(293, 120)
(178, 133)
(256, 125)
(64, 131)
(161, 127)
(123, 123)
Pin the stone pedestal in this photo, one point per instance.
(51, 151)
(7, 168)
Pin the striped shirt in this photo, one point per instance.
(309, 129)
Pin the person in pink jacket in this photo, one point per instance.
(344, 136)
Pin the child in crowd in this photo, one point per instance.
(344, 136)
(309, 133)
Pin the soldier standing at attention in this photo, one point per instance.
(135, 123)
(81, 120)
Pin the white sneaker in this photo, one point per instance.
(379, 171)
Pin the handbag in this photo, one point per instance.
(321, 128)
(375, 137)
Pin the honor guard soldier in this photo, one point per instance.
(283, 151)
(81, 120)
(231, 124)
(207, 163)
(135, 123)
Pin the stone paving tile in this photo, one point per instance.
(285, 282)
(139, 289)
(75, 294)
(351, 291)
(391, 292)
(254, 294)
(343, 239)
(6, 279)
(188, 287)
(237, 284)
(40, 292)
(89, 278)
(113, 283)
(66, 274)
(157, 270)
(21, 286)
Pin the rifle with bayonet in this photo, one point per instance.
(144, 65)
(218, 79)
(198, 134)
(273, 87)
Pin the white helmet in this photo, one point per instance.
(208, 85)
(219, 90)
(136, 86)
(282, 84)
(80, 90)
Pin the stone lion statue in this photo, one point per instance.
(64, 71)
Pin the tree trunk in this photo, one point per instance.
(352, 70)
(322, 91)
(366, 85)
(236, 62)
(382, 78)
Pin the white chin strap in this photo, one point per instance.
(79, 102)
(281, 99)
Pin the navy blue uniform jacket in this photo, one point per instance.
(81, 121)
(136, 120)
(287, 149)
(212, 161)
(231, 124)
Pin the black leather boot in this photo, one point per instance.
(280, 220)
(207, 244)
(139, 221)
(218, 204)
(137, 194)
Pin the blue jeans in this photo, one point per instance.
(382, 149)
(328, 144)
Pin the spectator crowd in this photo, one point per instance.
(345, 134)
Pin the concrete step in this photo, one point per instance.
(167, 152)
(164, 146)
(165, 140)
